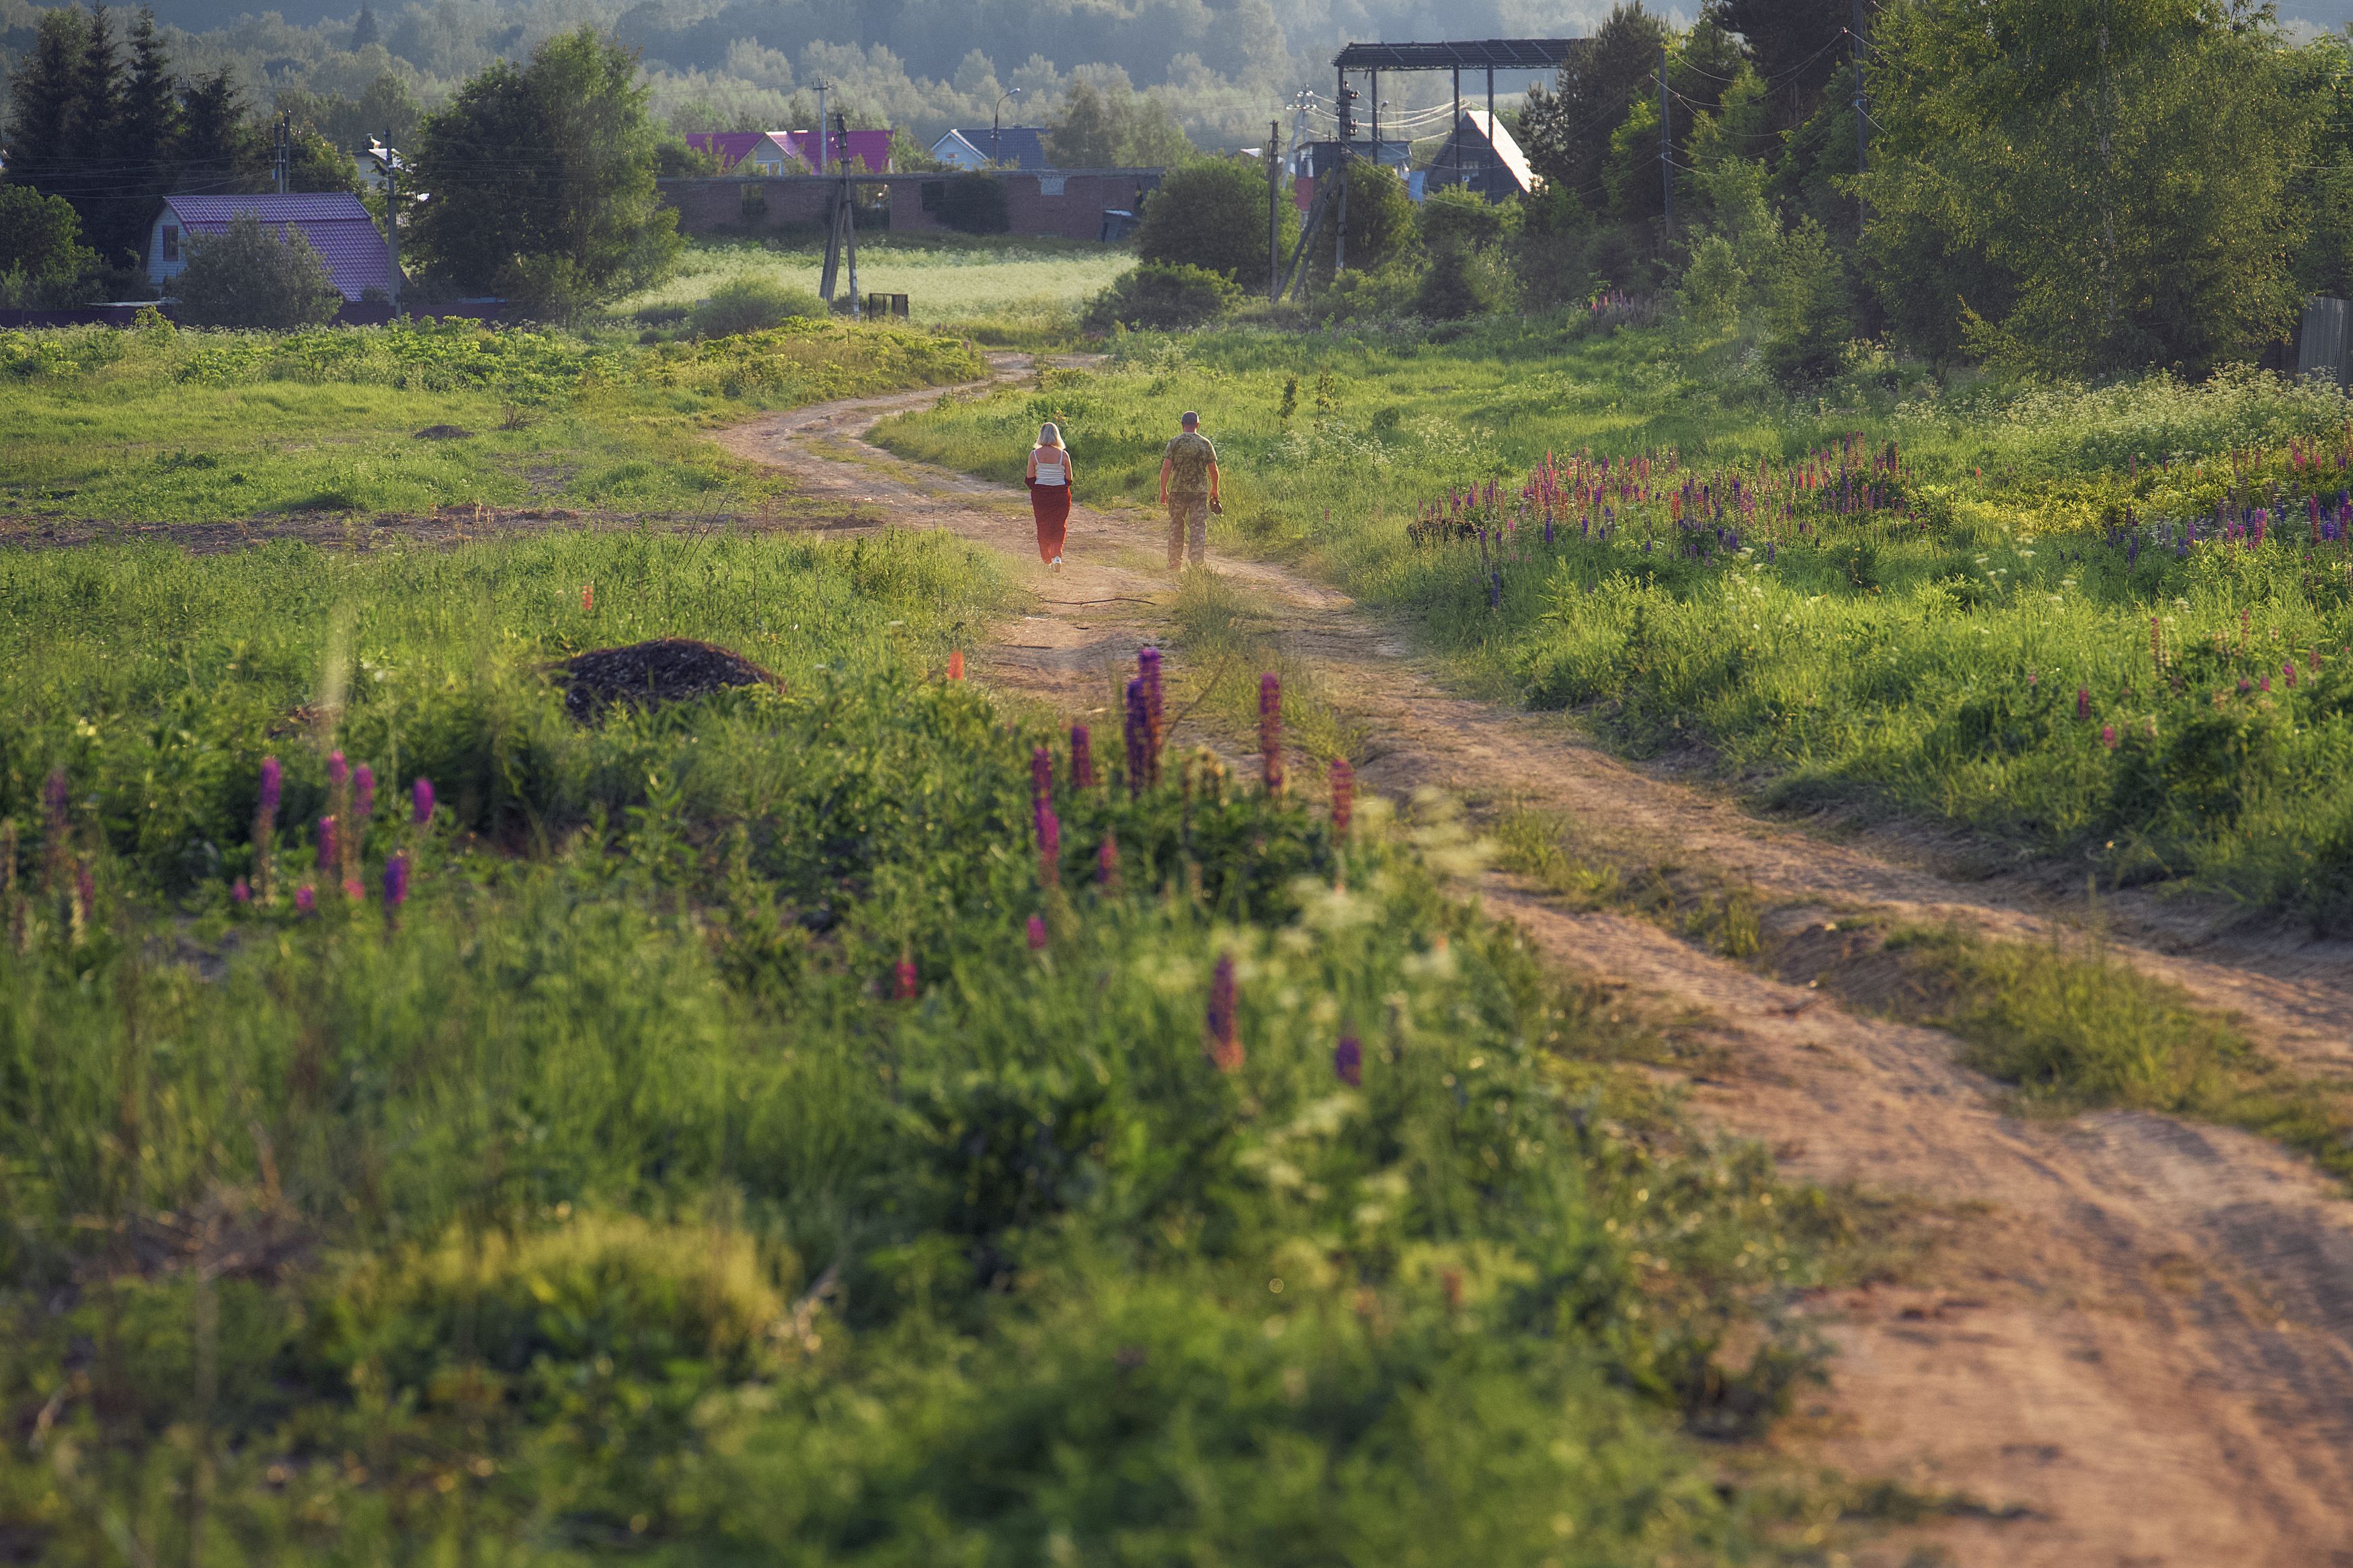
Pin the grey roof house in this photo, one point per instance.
(1016, 147)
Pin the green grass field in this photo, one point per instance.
(1005, 284)
(742, 1141)
(1927, 649)
(171, 426)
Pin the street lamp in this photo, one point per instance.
(995, 131)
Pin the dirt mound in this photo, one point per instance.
(648, 674)
(442, 433)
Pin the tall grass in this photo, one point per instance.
(615, 1198)
(1925, 657)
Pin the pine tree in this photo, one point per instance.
(212, 131)
(364, 31)
(45, 103)
(144, 147)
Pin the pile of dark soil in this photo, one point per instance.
(648, 674)
(443, 433)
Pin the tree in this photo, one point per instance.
(44, 104)
(543, 179)
(1566, 131)
(1116, 127)
(1162, 299)
(364, 31)
(975, 204)
(1213, 215)
(1380, 226)
(2123, 165)
(1793, 44)
(41, 253)
(251, 277)
(216, 153)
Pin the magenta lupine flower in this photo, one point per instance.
(1270, 730)
(903, 980)
(327, 847)
(1107, 862)
(272, 777)
(2287, 672)
(1344, 796)
(396, 881)
(57, 795)
(2108, 736)
(1049, 845)
(1082, 758)
(2082, 702)
(306, 900)
(1037, 933)
(354, 889)
(1225, 1046)
(1147, 666)
(240, 893)
(339, 772)
(421, 794)
(1348, 1061)
(363, 792)
(2264, 684)
(1139, 737)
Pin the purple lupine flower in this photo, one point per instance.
(240, 893)
(363, 793)
(327, 847)
(421, 794)
(339, 772)
(1049, 845)
(1270, 730)
(2108, 736)
(1041, 777)
(1344, 796)
(1139, 737)
(1082, 758)
(57, 797)
(272, 777)
(396, 881)
(2082, 702)
(1348, 1061)
(1147, 667)
(1037, 933)
(1107, 862)
(306, 900)
(1224, 1045)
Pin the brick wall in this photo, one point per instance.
(1068, 204)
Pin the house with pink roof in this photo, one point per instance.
(778, 152)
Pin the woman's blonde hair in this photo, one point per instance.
(1050, 435)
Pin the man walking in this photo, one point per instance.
(1188, 489)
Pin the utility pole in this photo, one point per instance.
(821, 124)
(387, 159)
(1861, 120)
(1273, 210)
(1494, 159)
(282, 150)
(1667, 151)
(848, 218)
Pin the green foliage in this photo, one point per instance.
(976, 204)
(1711, 294)
(1381, 227)
(1213, 215)
(1806, 308)
(574, 222)
(41, 251)
(1112, 126)
(249, 278)
(752, 304)
(1463, 235)
(1164, 299)
(611, 1197)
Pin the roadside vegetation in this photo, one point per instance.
(788, 1121)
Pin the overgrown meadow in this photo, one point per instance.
(2105, 624)
(814, 1121)
(163, 425)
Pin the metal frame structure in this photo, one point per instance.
(1490, 54)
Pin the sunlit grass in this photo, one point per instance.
(1032, 281)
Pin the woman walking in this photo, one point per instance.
(1050, 493)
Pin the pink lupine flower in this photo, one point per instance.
(240, 893)
(306, 899)
(1107, 862)
(1348, 1061)
(1049, 845)
(363, 792)
(327, 845)
(903, 980)
(1082, 758)
(2082, 702)
(1344, 796)
(421, 796)
(2108, 736)
(1224, 1045)
(1037, 933)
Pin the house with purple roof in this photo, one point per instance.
(794, 152)
(338, 227)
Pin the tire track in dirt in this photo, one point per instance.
(2135, 1346)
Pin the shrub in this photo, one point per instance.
(1166, 299)
(752, 305)
(249, 277)
(41, 254)
(1213, 215)
(1462, 283)
(1381, 223)
(1806, 310)
(975, 204)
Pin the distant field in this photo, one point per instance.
(1035, 281)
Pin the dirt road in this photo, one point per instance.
(2136, 1347)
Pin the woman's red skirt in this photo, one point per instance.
(1052, 506)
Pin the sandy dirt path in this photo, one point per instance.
(2135, 1346)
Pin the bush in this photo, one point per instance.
(41, 254)
(1213, 215)
(1167, 298)
(752, 305)
(251, 277)
(1462, 283)
(1381, 220)
(975, 204)
(1806, 310)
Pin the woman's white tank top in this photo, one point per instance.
(1050, 473)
